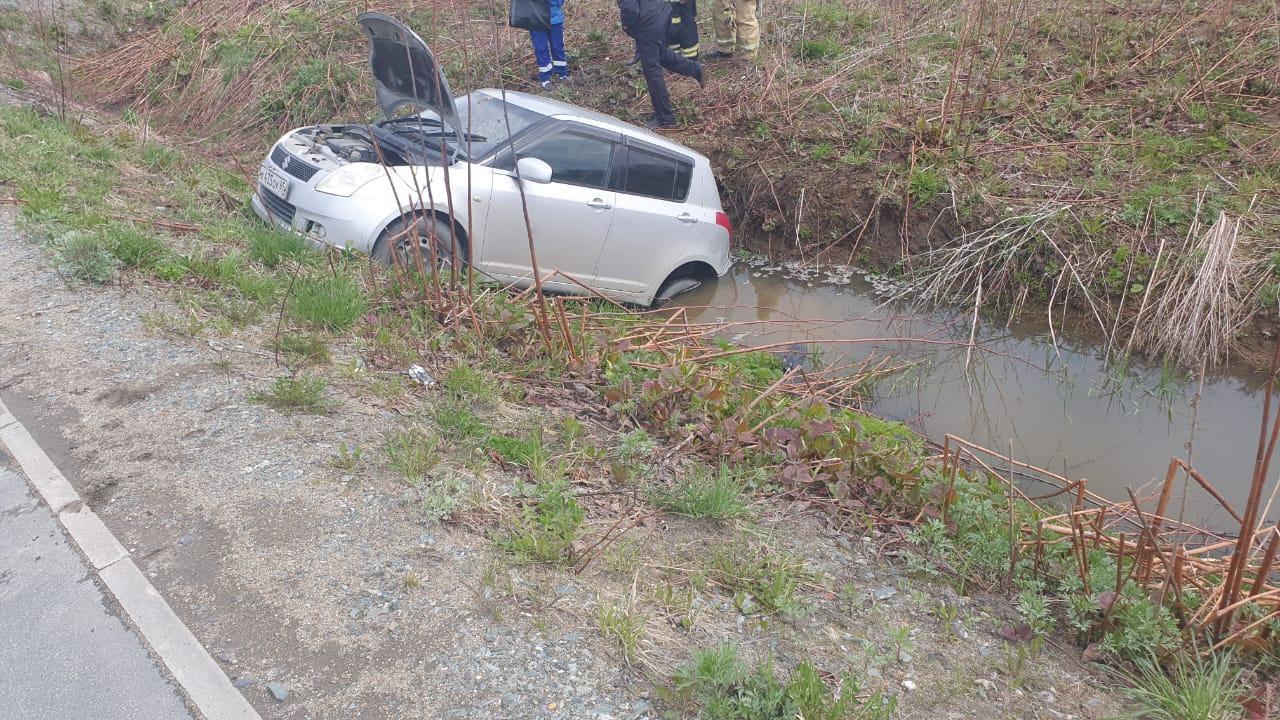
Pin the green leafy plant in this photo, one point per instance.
(720, 686)
(544, 531)
(759, 579)
(443, 495)
(346, 458)
(86, 257)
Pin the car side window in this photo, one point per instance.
(575, 158)
(656, 175)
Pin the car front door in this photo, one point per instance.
(652, 225)
(570, 215)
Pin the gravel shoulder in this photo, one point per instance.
(327, 586)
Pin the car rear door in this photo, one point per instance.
(570, 216)
(653, 226)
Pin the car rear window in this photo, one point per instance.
(656, 175)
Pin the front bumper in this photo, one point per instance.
(323, 219)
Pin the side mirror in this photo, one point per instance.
(534, 170)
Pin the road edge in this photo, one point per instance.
(195, 671)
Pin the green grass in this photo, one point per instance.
(303, 349)
(270, 246)
(1194, 688)
(411, 453)
(301, 394)
(760, 579)
(87, 257)
(705, 494)
(458, 422)
(159, 157)
(528, 451)
(136, 250)
(624, 626)
(328, 302)
(719, 685)
(819, 49)
(464, 381)
(544, 531)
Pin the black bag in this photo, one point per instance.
(531, 14)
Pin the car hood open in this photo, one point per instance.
(405, 72)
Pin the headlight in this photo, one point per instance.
(344, 181)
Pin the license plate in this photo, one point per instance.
(274, 181)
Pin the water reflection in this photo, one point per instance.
(1062, 409)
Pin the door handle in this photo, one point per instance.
(599, 204)
(686, 218)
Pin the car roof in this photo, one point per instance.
(555, 108)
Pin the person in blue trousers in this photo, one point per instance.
(548, 47)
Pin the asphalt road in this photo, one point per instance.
(65, 653)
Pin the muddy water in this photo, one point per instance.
(1062, 409)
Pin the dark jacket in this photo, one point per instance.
(645, 18)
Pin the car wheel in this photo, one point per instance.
(673, 287)
(399, 239)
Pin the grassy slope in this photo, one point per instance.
(863, 123)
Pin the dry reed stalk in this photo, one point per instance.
(1207, 302)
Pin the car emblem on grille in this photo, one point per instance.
(285, 164)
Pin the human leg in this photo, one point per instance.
(542, 52)
(559, 58)
(651, 53)
(747, 27)
(723, 13)
(685, 32)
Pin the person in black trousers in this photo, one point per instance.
(647, 22)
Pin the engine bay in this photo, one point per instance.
(331, 146)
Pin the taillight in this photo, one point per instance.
(723, 221)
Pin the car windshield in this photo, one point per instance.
(483, 124)
(482, 116)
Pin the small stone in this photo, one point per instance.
(227, 658)
(885, 593)
(242, 683)
(185, 538)
(909, 685)
(278, 691)
(904, 658)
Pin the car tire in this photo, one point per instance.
(401, 232)
(673, 287)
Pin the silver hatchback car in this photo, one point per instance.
(614, 207)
